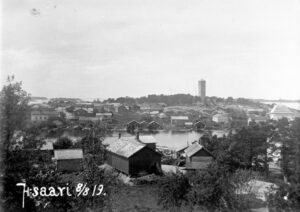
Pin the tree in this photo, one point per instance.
(14, 111)
(63, 143)
(173, 190)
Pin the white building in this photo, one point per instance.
(220, 118)
(281, 111)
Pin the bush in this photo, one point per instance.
(173, 190)
(286, 198)
(63, 143)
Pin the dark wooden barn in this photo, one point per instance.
(199, 125)
(197, 157)
(143, 125)
(132, 157)
(132, 126)
(68, 159)
(153, 126)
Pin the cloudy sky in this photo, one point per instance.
(112, 48)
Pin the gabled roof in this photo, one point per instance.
(182, 148)
(44, 112)
(125, 146)
(133, 121)
(194, 148)
(280, 109)
(153, 122)
(67, 154)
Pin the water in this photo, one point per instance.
(293, 105)
(175, 140)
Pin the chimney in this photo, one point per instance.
(120, 135)
(137, 135)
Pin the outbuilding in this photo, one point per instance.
(68, 159)
(153, 125)
(133, 126)
(197, 157)
(133, 157)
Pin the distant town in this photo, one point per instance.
(140, 139)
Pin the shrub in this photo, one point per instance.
(173, 189)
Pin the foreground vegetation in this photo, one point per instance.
(239, 157)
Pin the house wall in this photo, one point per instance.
(80, 113)
(69, 165)
(199, 160)
(118, 162)
(37, 118)
(178, 123)
(144, 160)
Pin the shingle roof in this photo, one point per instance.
(67, 154)
(153, 122)
(193, 149)
(125, 146)
(281, 109)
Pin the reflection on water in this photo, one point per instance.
(294, 105)
(176, 140)
(180, 139)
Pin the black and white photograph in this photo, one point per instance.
(150, 105)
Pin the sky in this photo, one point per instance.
(113, 48)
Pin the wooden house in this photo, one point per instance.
(132, 157)
(81, 112)
(153, 125)
(179, 121)
(43, 115)
(197, 157)
(132, 126)
(199, 125)
(143, 125)
(68, 159)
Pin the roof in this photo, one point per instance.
(198, 122)
(193, 149)
(109, 140)
(133, 121)
(280, 109)
(153, 122)
(44, 112)
(179, 118)
(68, 154)
(88, 110)
(182, 148)
(48, 145)
(125, 146)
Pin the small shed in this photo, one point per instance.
(132, 126)
(153, 125)
(132, 157)
(197, 157)
(143, 125)
(199, 125)
(68, 159)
